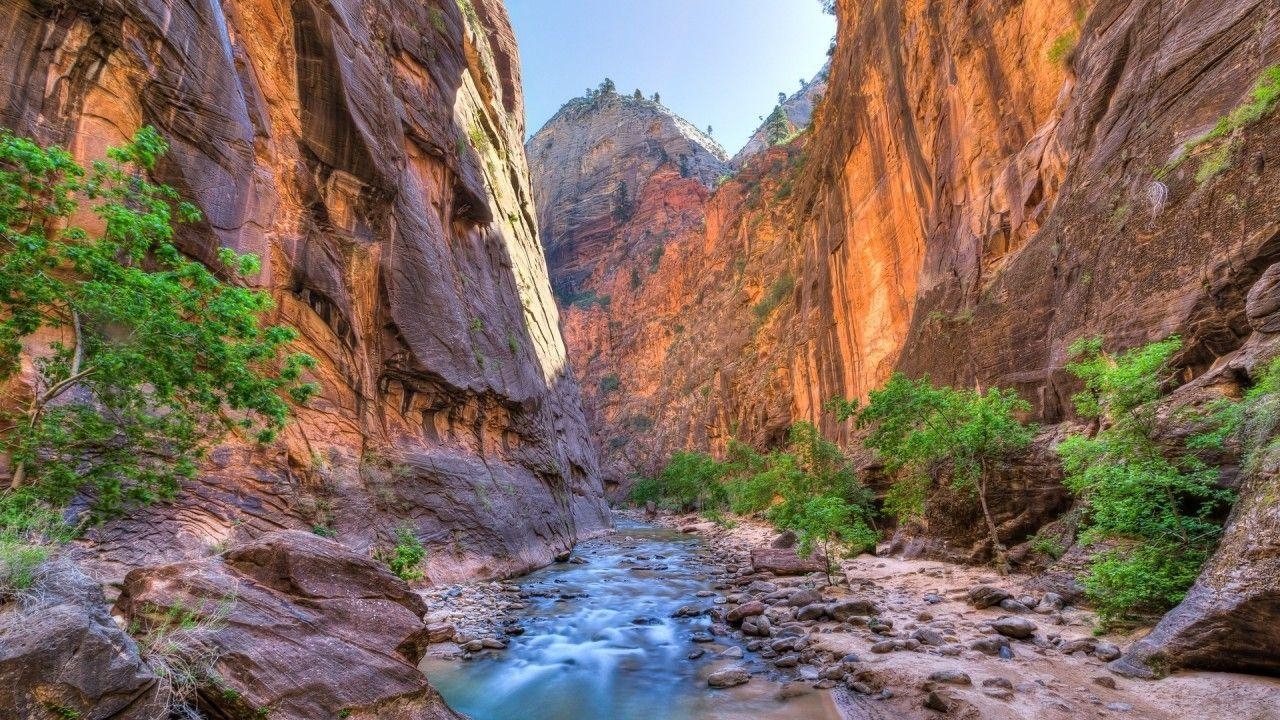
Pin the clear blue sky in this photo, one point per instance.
(715, 62)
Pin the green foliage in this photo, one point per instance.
(324, 531)
(655, 256)
(405, 559)
(1252, 420)
(609, 383)
(923, 433)
(19, 563)
(156, 356)
(477, 324)
(777, 127)
(623, 208)
(1262, 99)
(827, 522)
(1159, 508)
(1062, 46)
(1046, 545)
(784, 484)
(778, 291)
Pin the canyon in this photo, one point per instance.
(509, 332)
(981, 185)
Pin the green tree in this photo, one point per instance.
(1157, 506)
(924, 432)
(828, 522)
(778, 127)
(143, 357)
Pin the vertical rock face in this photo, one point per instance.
(983, 184)
(596, 157)
(370, 153)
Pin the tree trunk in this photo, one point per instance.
(1001, 558)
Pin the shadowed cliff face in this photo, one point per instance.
(370, 153)
(983, 184)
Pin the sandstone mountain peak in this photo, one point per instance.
(597, 157)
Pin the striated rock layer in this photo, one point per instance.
(370, 153)
(983, 184)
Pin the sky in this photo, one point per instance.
(715, 62)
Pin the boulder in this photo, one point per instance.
(1014, 627)
(845, 609)
(985, 596)
(786, 540)
(293, 610)
(782, 562)
(744, 611)
(66, 655)
(729, 677)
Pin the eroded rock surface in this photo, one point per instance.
(61, 655)
(301, 626)
(371, 154)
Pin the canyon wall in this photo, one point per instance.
(371, 153)
(982, 184)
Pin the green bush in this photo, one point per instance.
(609, 383)
(1062, 46)
(828, 522)
(19, 564)
(405, 559)
(1158, 506)
(924, 433)
(783, 484)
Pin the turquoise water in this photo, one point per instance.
(586, 657)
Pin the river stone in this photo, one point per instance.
(789, 660)
(782, 562)
(746, 610)
(1013, 606)
(984, 596)
(936, 701)
(811, 612)
(1106, 651)
(729, 677)
(929, 636)
(845, 609)
(951, 677)
(1014, 627)
(441, 632)
(732, 651)
(785, 541)
(804, 597)
(992, 645)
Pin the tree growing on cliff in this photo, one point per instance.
(925, 433)
(1155, 505)
(777, 127)
(140, 357)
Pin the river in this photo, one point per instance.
(600, 644)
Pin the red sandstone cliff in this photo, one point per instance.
(370, 153)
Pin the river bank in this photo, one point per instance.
(891, 638)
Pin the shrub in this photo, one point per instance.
(778, 291)
(1062, 46)
(19, 565)
(176, 644)
(405, 559)
(924, 433)
(609, 383)
(1159, 508)
(160, 349)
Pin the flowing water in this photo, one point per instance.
(603, 645)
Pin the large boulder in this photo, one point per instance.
(65, 657)
(300, 625)
(783, 561)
